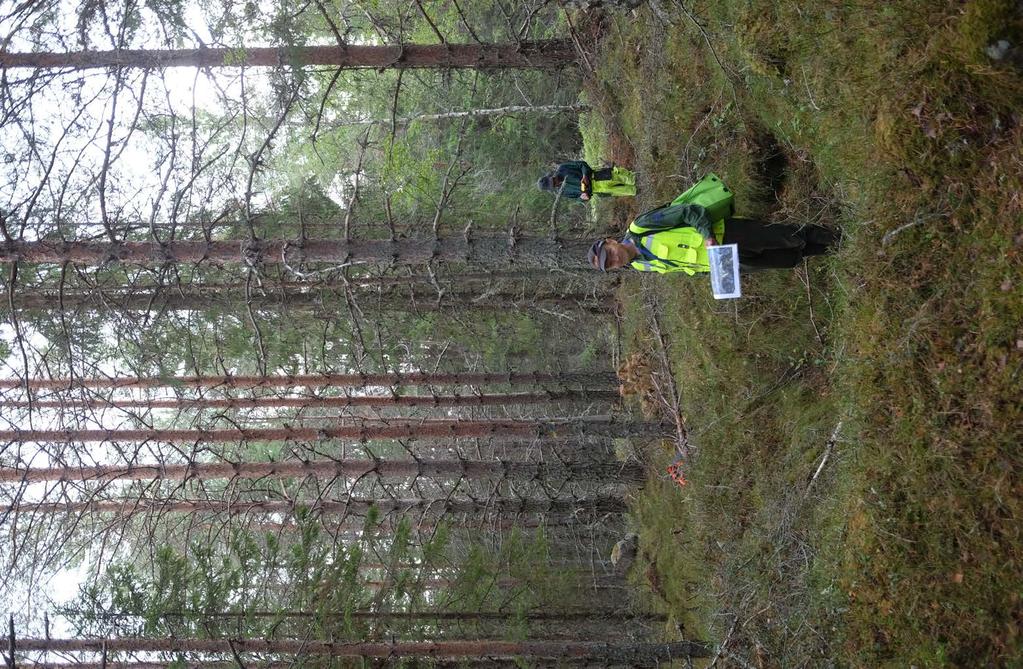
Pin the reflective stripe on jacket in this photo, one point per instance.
(677, 250)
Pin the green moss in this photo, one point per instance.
(892, 123)
(982, 23)
(595, 138)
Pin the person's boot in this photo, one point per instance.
(821, 240)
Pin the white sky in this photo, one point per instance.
(135, 175)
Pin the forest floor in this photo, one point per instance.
(855, 492)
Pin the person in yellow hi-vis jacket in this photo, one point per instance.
(675, 237)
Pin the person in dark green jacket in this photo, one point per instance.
(676, 236)
(583, 182)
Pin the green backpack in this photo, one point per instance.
(713, 195)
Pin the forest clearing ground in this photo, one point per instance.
(856, 493)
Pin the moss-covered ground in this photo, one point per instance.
(855, 491)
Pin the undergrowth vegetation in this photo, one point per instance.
(854, 492)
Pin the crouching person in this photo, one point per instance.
(577, 180)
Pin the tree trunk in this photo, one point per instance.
(471, 113)
(485, 250)
(361, 430)
(532, 276)
(335, 525)
(327, 402)
(547, 54)
(604, 380)
(630, 654)
(596, 615)
(609, 472)
(594, 281)
(423, 507)
(170, 298)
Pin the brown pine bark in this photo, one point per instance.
(597, 615)
(327, 402)
(541, 278)
(504, 582)
(368, 282)
(629, 654)
(486, 250)
(464, 285)
(347, 524)
(429, 507)
(472, 113)
(176, 299)
(361, 430)
(532, 276)
(547, 54)
(612, 472)
(604, 380)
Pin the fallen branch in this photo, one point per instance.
(924, 218)
(828, 447)
(554, 210)
(729, 74)
(578, 44)
(681, 432)
(890, 235)
(809, 300)
(722, 653)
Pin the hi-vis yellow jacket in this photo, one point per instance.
(674, 234)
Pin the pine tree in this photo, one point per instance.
(548, 54)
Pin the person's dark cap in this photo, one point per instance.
(598, 252)
(546, 182)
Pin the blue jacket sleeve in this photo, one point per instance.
(673, 216)
(575, 168)
(573, 172)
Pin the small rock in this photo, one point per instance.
(624, 553)
(999, 50)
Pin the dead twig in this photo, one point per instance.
(681, 432)
(578, 44)
(433, 26)
(828, 448)
(363, 144)
(729, 74)
(465, 22)
(890, 235)
(18, 336)
(554, 211)
(809, 300)
(722, 653)
(921, 218)
(394, 117)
